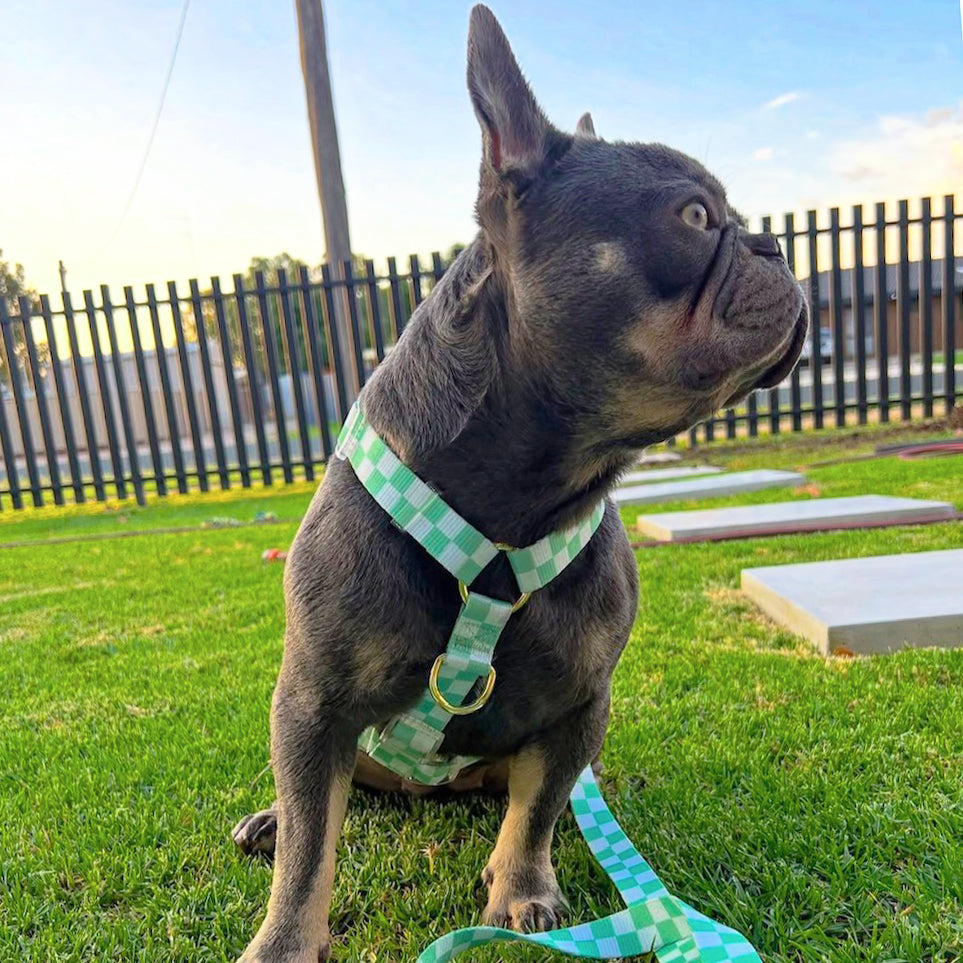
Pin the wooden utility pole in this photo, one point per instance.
(327, 165)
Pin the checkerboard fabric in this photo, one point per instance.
(414, 507)
(408, 744)
(653, 920)
(537, 565)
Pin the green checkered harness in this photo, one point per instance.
(408, 743)
(653, 920)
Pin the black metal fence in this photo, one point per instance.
(182, 390)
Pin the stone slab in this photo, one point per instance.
(667, 474)
(659, 457)
(800, 516)
(880, 604)
(711, 486)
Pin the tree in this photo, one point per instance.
(13, 283)
(13, 286)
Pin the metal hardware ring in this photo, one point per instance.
(445, 704)
(516, 605)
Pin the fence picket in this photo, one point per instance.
(63, 400)
(948, 304)
(200, 458)
(269, 328)
(291, 346)
(90, 429)
(163, 370)
(925, 293)
(253, 377)
(145, 393)
(285, 328)
(103, 382)
(133, 458)
(227, 357)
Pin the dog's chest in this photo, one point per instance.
(550, 659)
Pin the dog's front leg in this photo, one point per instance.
(523, 893)
(313, 756)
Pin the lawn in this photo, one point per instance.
(816, 804)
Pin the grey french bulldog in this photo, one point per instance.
(611, 299)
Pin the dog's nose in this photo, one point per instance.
(765, 245)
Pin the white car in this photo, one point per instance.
(825, 347)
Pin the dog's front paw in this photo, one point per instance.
(524, 900)
(259, 954)
(255, 834)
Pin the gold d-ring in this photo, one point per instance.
(516, 605)
(445, 704)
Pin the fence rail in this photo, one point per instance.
(203, 387)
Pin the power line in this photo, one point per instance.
(153, 130)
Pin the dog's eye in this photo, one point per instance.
(695, 215)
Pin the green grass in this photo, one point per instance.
(816, 804)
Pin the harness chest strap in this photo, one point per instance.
(653, 920)
(408, 743)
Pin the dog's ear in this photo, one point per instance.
(585, 128)
(516, 134)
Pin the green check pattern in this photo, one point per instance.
(408, 744)
(413, 506)
(653, 920)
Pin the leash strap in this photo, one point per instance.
(653, 920)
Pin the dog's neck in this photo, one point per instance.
(469, 416)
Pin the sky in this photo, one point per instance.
(791, 104)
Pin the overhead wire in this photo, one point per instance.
(153, 130)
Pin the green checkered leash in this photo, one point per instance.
(653, 920)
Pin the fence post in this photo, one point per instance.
(197, 306)
(415, 269)
(163, 370)
(815, 332)
(903, 313)
(880, 315)
(926, 304)
(118, 368)
(228, 359)
(331, 336)
(948, 304)
(19, 397)
(253, 377)
(120, 480)
(70, 443)
(155, 456)
(397, 318)
(836, 319)
(290, 343)
(374, 310)
(795, 389)
(90, 429)
(270, 352)
(858, 302)
(350, 295)
(40, 395)
(200, 458)
(313, 325)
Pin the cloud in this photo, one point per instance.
(763, 154)
(904, 155)
(781, 100)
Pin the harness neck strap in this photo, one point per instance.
(448, 538)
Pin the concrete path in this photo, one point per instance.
(799, 516)
(867, 605)
(729, 483)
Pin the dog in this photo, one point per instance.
(611, 299)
